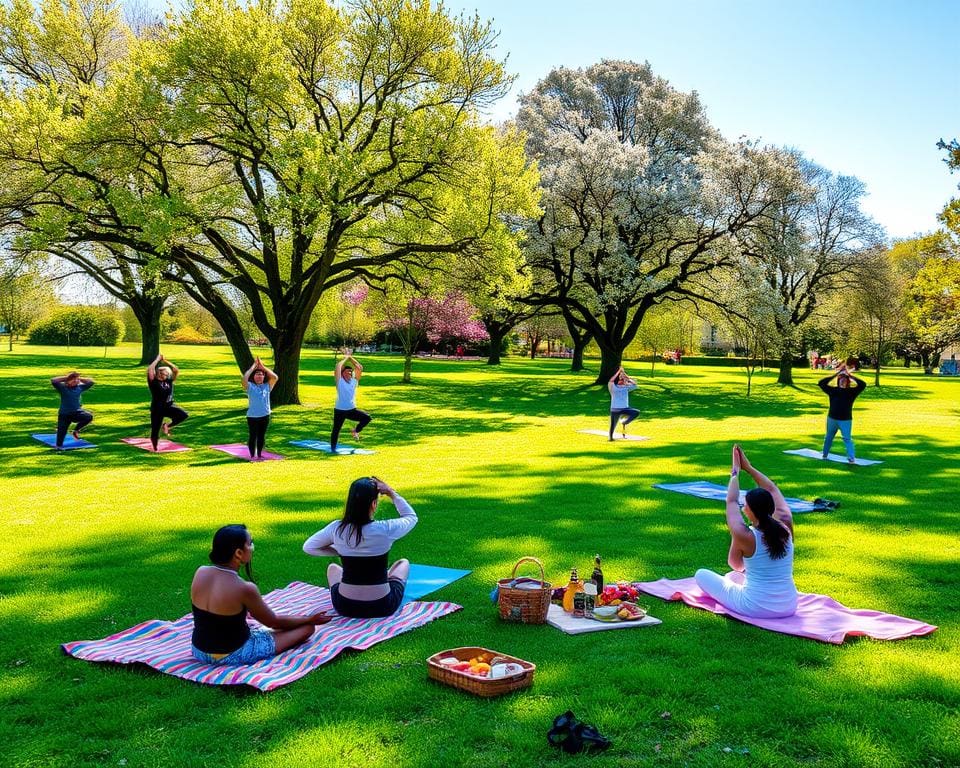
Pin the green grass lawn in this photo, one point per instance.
(96, 541)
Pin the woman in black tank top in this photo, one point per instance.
(221, 600)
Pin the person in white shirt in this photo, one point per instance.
(361, 586)
(347, 379)
(620, 386)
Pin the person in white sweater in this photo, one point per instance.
(362, 586)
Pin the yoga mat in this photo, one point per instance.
(165, 645)
(565, 622)
(240, 451)
(322, 445)
(163, 446)
(818, 617)
(69, 442)
(616, 435)
(706, 490)
(812, 454)
(424, 579)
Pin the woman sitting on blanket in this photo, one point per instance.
(221, 601)
(363, 588)
(762, 551)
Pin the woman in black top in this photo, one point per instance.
(160, 379)
(840, 415)
(221, 599)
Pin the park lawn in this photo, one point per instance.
(96, 541)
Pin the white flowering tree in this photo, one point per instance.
(639, 190)
(808, 246)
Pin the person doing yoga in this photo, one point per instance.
(761, 551)
(258, 381)
(362, 587)
(221, 600)
(347, 379)
(71, 388)
(620, 386)
(840, 414)
(160, 379)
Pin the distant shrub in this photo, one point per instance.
(80, 326)
(187, 335)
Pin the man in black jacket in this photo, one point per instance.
(840, 415)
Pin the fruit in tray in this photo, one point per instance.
(630, 612)
(478, 666)
(615, 594)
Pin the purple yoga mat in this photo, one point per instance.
(163, 446)
(242, 452)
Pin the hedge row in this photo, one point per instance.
(80, 326)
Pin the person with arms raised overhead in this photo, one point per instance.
(71, 388)
(346, 380)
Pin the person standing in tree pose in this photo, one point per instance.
(71, 388)
(840, 415)
(620, 386)
(258, 381)
(347, 379)
(160, 379)
(761, 551)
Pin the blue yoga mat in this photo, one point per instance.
(323, 445)
(706, 490)
(424, 579)
(69, 442)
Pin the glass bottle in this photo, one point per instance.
(597, 576)
(573, 587)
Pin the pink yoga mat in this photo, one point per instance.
(242, 452)
(818, 617)
(163, 446)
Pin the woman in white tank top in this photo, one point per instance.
(761, 554)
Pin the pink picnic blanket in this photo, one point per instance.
(165, 645)
(818, 616)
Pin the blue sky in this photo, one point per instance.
(862, 88)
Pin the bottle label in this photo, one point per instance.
(579, 605)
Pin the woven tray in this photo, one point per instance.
(479, 686)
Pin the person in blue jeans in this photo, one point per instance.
(620, 386)
(221, 599)
(840, 416)
(258, 381)
(71, 388)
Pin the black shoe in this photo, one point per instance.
(573, 737)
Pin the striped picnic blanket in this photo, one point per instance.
(165, 645)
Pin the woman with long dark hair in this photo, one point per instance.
(362, 587)
(761, 551)
(221, 600)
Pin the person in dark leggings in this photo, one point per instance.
(160, 379)
(347, 379)
(620, 386)
(71, 388)
(258, 382)
(363, 587)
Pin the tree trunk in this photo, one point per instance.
(407, 367)
(286, 364)
(148, 312)
(579, 345)
(496, 343)
(611, 358)
(786, 369)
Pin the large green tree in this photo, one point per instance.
(640, 196)
(276, 151)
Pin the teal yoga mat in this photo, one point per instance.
(322, 445)
(69, 442)
(425, 579)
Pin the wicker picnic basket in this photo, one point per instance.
(527, 603)
(480, 686)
